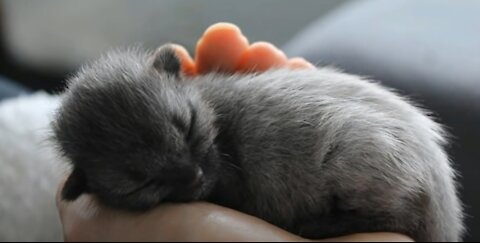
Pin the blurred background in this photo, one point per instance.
(428, 50)
(47, 39)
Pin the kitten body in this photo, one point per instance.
(317, 152)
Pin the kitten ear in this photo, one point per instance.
(165, 60)
(75, 185)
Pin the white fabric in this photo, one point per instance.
(29, 170)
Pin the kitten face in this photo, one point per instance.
(136, 135)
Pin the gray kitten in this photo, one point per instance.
(317, 152)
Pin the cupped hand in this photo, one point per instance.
(87, 220)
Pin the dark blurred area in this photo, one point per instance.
(427, 50)
(29, 76)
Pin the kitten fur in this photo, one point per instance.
(319, 152)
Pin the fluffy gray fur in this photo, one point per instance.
(317, 152)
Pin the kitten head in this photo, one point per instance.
(136, 133)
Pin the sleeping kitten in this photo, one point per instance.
(319, 153)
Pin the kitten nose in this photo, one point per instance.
(195, 177)
(187, 176)
(198, 177)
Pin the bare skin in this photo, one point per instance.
(86, 220)
(222, 48)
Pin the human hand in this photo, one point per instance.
(223, 48)
(86, 220)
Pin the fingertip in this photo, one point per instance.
(186, 61)
(299, 63)
(223, 26)
(220, 48)
(261, 56)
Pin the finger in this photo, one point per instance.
(260, 57)
(58, 196)
(299, 63)
(220, 48)
(84, 207)
(186, 62)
